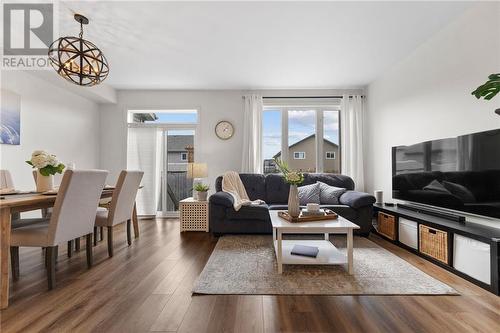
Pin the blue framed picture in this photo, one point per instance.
(10, 118)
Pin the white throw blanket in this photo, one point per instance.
(231, 183)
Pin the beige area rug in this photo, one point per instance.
(247, 265)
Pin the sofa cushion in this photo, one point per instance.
(278, 206)
(276, 189)
(309, 194)
(356, 199)
(330, 194)
(255, 185)
(330, 179)
(252, 212)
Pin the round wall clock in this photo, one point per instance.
(224, 130)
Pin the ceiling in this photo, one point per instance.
(254, 45)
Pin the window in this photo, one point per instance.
(271, 138)
(305, 136)
(184, 156)
(186, 116)
(299, 155)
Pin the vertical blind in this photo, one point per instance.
(142, 147)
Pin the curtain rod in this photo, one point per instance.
(290, 97)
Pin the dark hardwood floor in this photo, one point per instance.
(147, 287)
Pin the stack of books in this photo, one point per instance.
(319, 212)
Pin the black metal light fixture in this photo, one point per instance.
(78, 60)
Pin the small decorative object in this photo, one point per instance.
(78, 60)
(312, 207)
(379, 196)
(10, 118)
(224, 130)
(293, 178)
(202, 191)
(327, 215)
(489, 89)
(47, 166)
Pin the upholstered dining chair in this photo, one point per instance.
(6, 182)
(72, 217)
(121, 207)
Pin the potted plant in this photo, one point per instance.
(489, 90)
(47, 166)
(293, 178)
(201, 191)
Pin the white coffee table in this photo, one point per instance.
(328, 253)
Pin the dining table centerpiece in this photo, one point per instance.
(294, 178)
(46, 166)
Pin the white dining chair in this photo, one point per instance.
(121, 207)
(6, 182)
(73, 216)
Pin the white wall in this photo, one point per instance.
(214, 105)
(52, 119)
(428, 95)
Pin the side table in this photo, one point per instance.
(193, 215)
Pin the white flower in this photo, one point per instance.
(40, 161)
(38, 152)
(52, 160)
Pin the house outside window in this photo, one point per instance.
(299, 155)
(330, 155)
(184, 156)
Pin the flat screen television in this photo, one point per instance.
(461, 173)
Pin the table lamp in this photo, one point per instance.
(196, 171)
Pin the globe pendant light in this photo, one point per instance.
(78, 60)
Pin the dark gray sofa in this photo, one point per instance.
(223, 219)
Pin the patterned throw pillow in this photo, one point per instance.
(329, 195)
(309, 194)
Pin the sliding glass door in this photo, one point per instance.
(162, 143)
(175, 185)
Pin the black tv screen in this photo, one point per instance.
(461, 173)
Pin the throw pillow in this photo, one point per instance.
(329, 195)
(309, 194)
(437, 187)
(460, 191)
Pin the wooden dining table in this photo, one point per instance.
(23, 202)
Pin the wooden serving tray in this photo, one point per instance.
(329, 215)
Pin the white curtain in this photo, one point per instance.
(142, 155)
(252, 134)
(351, 129)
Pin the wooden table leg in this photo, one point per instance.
(4, 256)
(135, 222)
(279, 253)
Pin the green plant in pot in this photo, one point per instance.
(489, 89)
(201, 191)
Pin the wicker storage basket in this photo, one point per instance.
(434, 243)
(386, 225)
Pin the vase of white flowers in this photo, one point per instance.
(293, 178)
(47, 166)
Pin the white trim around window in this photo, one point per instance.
(184, 156)
(330, 155)
(299, 155)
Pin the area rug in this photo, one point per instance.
(247, 265)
